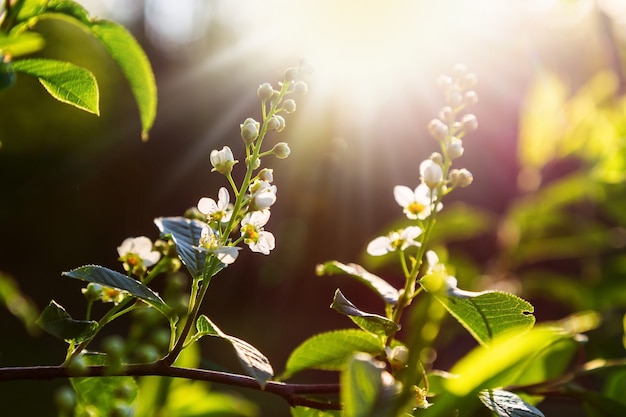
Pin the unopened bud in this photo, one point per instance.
(438, 129)
(273, 123)
(455, 148)
(300, 87)
(291, 74)
(397, 357)
(255, 164)
(470, 98)
(289, 106)
(455, 98)
(460, 177)
(265, 91)
(222, 160)
(92, 292)
(432, 173)
(281, 150)
(249, 130)
(436, 158)
(469, 123)
(446, 114)
(266, 174)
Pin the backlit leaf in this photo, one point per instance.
(331, 350)
(507, 404)
(56, 321)
(254, 362)
(376, 283)
(64, 81)
(373, 323)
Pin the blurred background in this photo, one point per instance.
(544, 217)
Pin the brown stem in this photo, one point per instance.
(291, 393)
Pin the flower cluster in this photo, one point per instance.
(437, 178)
(250, 210)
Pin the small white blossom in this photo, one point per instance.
(254, 236)
(436, 267)
(397, 240)
(262, 195)
(137, 251)
(431, 173)
(209, 242)
(416, 204)
(222, 160)
(219, 211)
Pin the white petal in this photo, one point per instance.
(207, 205)
(265, 244)
(379, 246)
(403, 195)
(223, 198)
(432, 259)
(227, 254)
(125, 247)
(151, 258)
(411, 232)
(260, 218)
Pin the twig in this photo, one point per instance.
(291, 393)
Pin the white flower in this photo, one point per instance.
(437, 268)
(222, 160)
(262, 194)
(209, 242)
(398, 240)
(254, 236)
(219, 211)
(137, 251)
(416, 204)
(431, 173)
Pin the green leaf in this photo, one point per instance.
(507, 404)
(194, 399)
(487, 314)
(21, 44)
(373, 323)
(69, 8)
(388, 293)
(134, 64)
(499, 363)
(312, 412)
(331, 350)
(254, 362)
(56, 321)
(616, 386)
(186, 235)
(66, 82)
(114, 279)
(26, 9)
(103, 394)
(363, 393)
(598, 405)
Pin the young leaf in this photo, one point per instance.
(114, 279)
(103, 393)
(56, 321)
(487, 314)
(69, 8)
(373, 323)
(376, 283)
(134, 64)
(360, 384)
(66, 82)
(507, 404)
(21, 44)
(186, 235)
(253, 361)
(331, 350)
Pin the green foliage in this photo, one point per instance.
(506, 404)
(373, 323)
(331, 350)
(185, 233)
(254, 362)
(66, 82)
(56, 321)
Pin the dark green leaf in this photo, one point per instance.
(487, 314)
(376, 283)
(56, 321)
(331, 350)
(64, 81)
(254, 362)
(507, 404)
(103, 393)
(114, 279)
(186, 235)
(373, 323)
(134, 64)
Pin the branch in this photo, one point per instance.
(291, 393)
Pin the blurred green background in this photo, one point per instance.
(544, 217)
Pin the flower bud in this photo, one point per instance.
(447, 115)
(455, 148)
(281, 122)
(436, 158)
(469, 123)
(455, 98)
(300, 87)
(289, 105)
(255, 164)
(470, 80)
(438, 129)
(460, 177)
(397, 357)
(223, 160)
(291, 74)
(265, 91)
(470, 98)
(281, 150)
(273, 123)
(266, 174)
(432, 173)
(92, 292)
(249, 130)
